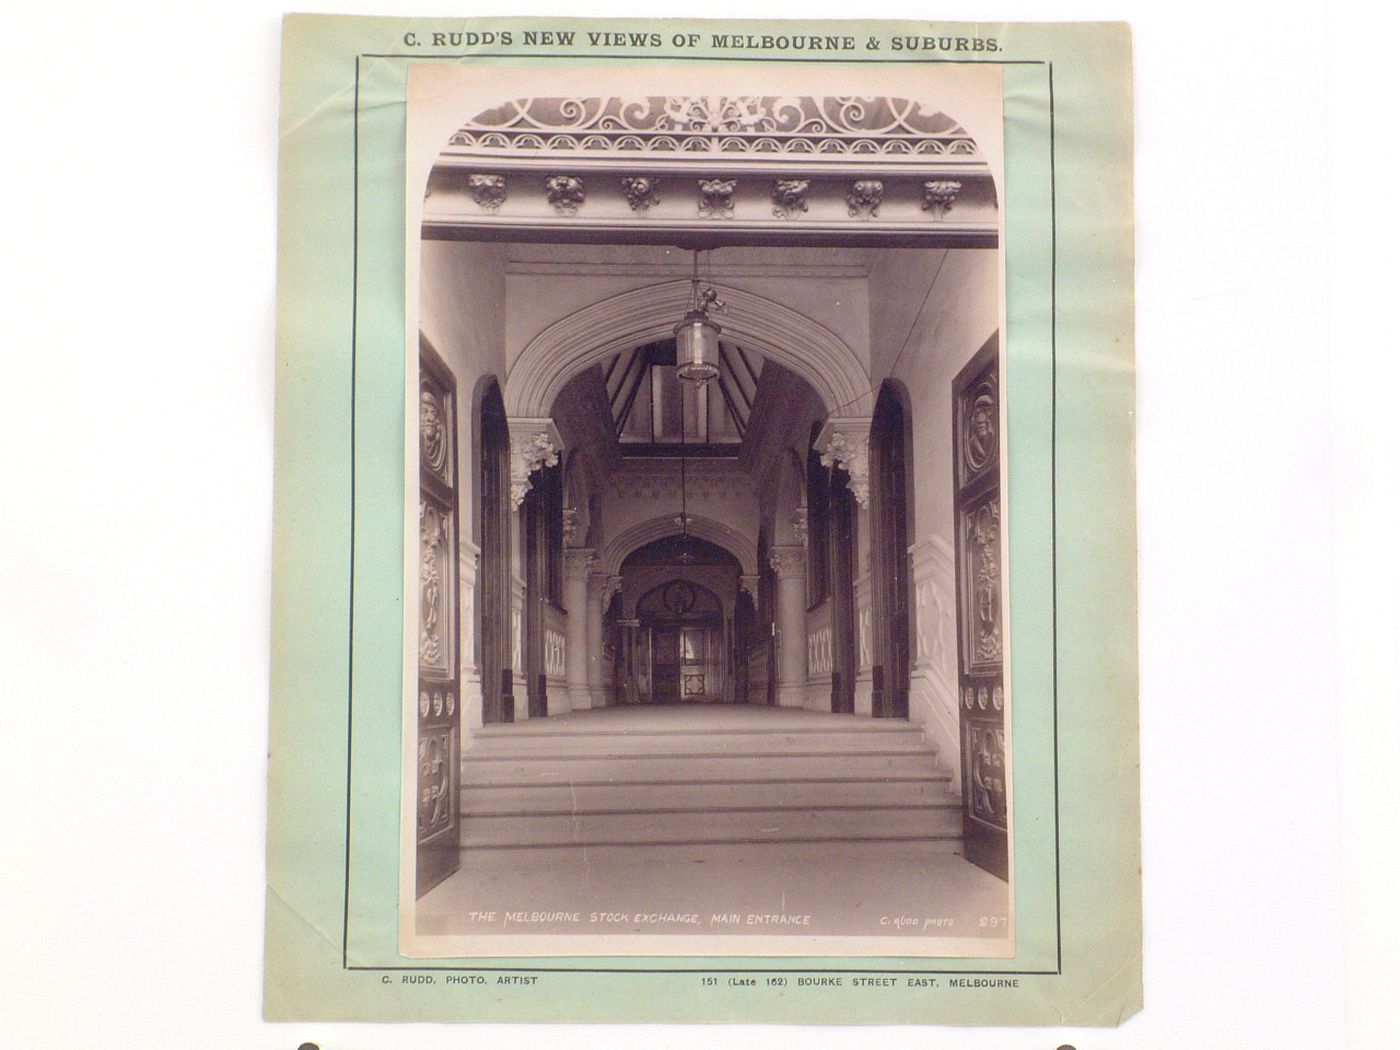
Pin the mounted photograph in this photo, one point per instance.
(706, 619)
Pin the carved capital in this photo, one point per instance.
(863, 198)
(578, 562)
(489, 191)
(939, 195)
(534, 443)
(749, 585)
(565, 193)
(790, 197)
(788, 561)
(845, 443)
(717, 198)
(641, 191)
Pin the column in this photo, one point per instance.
(578, 563)
(601, 588)
(791, 610)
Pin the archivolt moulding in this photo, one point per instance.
(615, 551)
(642, 315)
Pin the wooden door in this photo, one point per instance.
(439, 651)
(665, 665)
(981, 682)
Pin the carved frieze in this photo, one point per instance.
(717, 198)
(863, 198)
(565, 193)
(641, 191)
(939, 195)
(819, 650)
(790, 197)
(489, 191)
(554, 647)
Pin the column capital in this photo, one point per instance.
(788, 561)
(578, 562)
(845, 443)
(602, 586)
(749, 585)
(534, 443)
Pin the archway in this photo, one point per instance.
(611, 557)
(643, 315)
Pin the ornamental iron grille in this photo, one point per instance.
(839, 127)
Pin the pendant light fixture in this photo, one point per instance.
(697, 336)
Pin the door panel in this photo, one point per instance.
(665, 665)
(981, 682)
(439, 649)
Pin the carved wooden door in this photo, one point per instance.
(439, 649)
(981, 683)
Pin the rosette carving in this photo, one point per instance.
(863, 198)
(790, 197)
(565, 193)
(489, 191)
(939, 195)
(641, 191)
(717, 198)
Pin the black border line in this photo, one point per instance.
(1054, 536)
(354, 376)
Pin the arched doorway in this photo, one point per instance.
(492, 528)
(683, 632)
(683, 627)
(890, 570)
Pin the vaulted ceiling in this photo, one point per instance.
(653, 410)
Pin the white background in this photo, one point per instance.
(136, 378)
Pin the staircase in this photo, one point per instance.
(699, 776)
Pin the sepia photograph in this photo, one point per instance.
(706, 641)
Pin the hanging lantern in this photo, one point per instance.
(697, 336)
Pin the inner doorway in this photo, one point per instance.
(684, 625)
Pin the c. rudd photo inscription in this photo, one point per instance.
(706, 634)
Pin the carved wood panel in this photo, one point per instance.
(980, 617)
(439, 635)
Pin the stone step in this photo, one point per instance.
(497, 745)
(909, 823)
(762, 794)
(692, 767)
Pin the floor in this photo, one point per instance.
(699, 717)
(868, 889)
